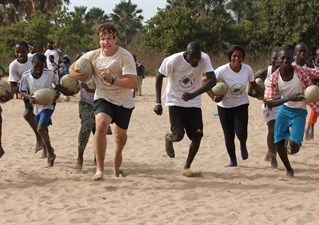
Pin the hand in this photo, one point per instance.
(187, 96)
(83, 85)
(218, 98)
(31, 98)
(297, 97)
(107, 76)
(158, 109)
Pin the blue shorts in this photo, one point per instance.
(290, 123)
(44, 117)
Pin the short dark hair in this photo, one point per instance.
(23, 43)
(38, 57)
(233, 48)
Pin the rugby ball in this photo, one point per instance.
(4, 87)
(70, 84)
(84, 66)
(312, 93)
(220, 89)
(44, 96)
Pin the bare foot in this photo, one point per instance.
(1, 151)
(190, 173)
(79, 164)
(44, 154)
(118, 173)
(267, 157)
(38, 146)
(99, 175)
(51, 160)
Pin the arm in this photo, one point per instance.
(158, 109)
(256, 90)
(280, 101)
(262, 73)
(86, 87)
(75, 74)
(211, 82)
(128, 81)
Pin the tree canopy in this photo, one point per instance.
(257, 25)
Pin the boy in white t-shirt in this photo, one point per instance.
(290, 81)
(17, 67)
(32, 80)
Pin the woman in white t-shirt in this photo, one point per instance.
(233, 106)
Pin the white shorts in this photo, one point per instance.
(270, 113)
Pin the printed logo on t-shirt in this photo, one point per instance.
(237, 89)
(187, 81)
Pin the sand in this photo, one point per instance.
(153, 191)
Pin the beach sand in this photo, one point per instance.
(153, 191)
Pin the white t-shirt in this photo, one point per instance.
(16, 69)
(30, 85)
(55, 54)
(237, 84)
(291, 87)
(120, 64)
(182, 77)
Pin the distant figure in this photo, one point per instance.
(64, 66)
(310, 129)
(52, 65)
(51, 51)
(140, 76)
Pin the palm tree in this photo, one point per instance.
(128, 19)
(12, 11)
(97, 15)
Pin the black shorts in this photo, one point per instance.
(120, 116)
(189, 119)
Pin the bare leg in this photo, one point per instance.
(193, 149)
(272, 151)
(1, 149)
(307, 133)
(282, 152)
(28, 116)
(43, 131)
(120, 141)
(311, 132)
(102, 123)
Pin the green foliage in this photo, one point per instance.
(286, 22)
(172, 29)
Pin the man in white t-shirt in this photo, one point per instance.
(17, 67)
(115, 77)
(184, 71)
